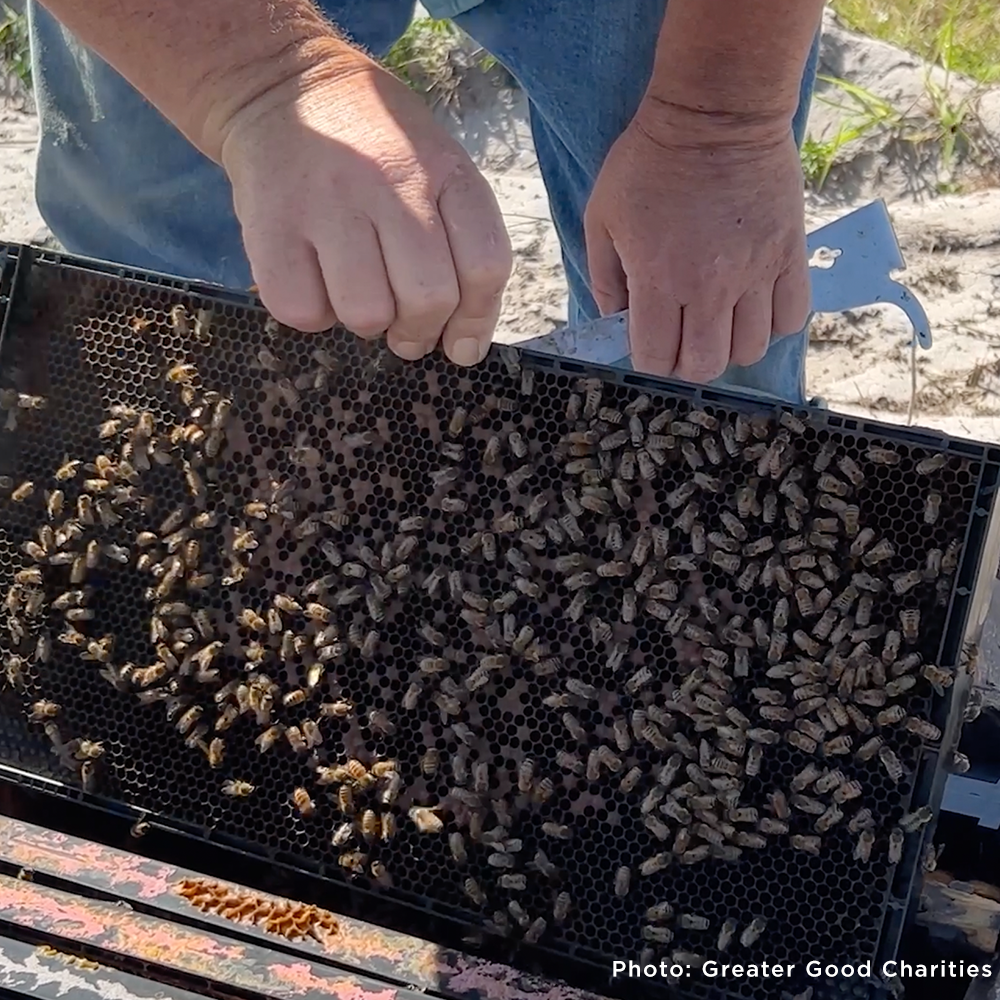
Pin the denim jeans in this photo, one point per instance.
(116, 181)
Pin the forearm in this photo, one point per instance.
(199, 62)
(734, 59)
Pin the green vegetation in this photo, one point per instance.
(15, 56)
(862, 112)
(433, 55)
(958, 36)
(963, 36)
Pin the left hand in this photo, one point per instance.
(698, 229)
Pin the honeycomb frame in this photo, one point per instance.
(86, 336)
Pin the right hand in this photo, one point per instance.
(358, 208)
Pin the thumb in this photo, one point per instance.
(608, 283)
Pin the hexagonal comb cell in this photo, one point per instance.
(586, 663)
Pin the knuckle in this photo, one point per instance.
(438, 301)
(489, 276)
(366, 319)
(304, 318)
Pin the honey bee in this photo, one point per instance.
(806, 842)
(370, 825)
(913, 821)
(317, 612)
(244, 540)
(251, 620)
(891, 763)
(42, 710)
(393, 786)
(923, 729)
(498, 859)
(726, 561)
(534, 933)
(380, 874)
(692, 922)
(863, 846)
(903, 583)
(896, 840)
(931, 464)
(311, 734)
(426, 819)
(695, 855)
(829, 819)
(457, 422)
(883, 456)
(891, 716)
(938, 677)
(657, 863)
(345, 800)
(932, 507)
(25, 490)
(556, 830)
(353, 861)
(182, 374)
(267, 739)
(216, 751)
(472, 889)
(237, 788)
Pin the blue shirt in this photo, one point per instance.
(449, 8)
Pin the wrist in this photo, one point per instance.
(670, 120)
(732, 67)
(251, 85)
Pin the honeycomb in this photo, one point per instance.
(576, 658)
(294, 921)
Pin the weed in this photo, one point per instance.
(959, 37)
(861, 112)
(15, 54)
(962, 36)
(420, 56)
(433, 55)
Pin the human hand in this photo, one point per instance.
(699, 230)
(357, 207)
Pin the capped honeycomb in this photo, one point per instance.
(581, 659)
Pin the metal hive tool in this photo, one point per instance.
(588, 616)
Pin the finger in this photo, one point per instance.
(481, 252)
(706, 340)
(654, 330)
(792, 299)
(289, 281)
(752, 326)
(350, 258)
(608, 283)
(422, 276)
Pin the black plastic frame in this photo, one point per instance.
(963, 615)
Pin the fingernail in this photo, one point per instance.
(409, 350)
(467, 351)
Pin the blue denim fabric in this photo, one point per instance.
(118, 182)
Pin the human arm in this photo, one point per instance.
(696, 221)
(355, 205)
(736, 62)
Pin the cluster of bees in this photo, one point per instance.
(824, 670)
(662, 922)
